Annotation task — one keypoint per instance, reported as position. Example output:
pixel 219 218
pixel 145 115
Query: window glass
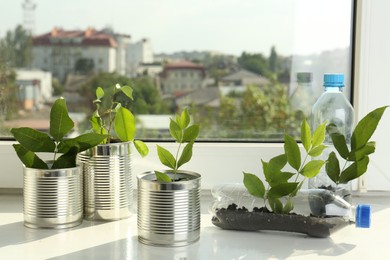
pixel 247 70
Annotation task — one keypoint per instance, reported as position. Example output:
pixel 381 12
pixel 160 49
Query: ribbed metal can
pixel 169 213
pixel 108 189
pixel 52 198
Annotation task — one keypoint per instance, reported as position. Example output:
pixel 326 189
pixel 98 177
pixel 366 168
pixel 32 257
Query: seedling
pixel 357 157
pixel 32 141
pixel 184 133
pixel 283 185
pixel 117 122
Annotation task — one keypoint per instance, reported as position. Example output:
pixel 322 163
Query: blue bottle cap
pixel 363 216
pixel 333 80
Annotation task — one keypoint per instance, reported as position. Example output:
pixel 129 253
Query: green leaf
pixel 254 185
pixel 317 151
pixel 162 177
pixel 355 170
pixel 366 128
pixel 332 167
pixel 60 122
pixel 274 175
pixel 99 93
pixel 305 135
pixel 33 140
pixel 175 131
pixel 28 158
pixel 128 91
pixel 141 147
pixel 332 129
pixel 191 133
pixel 282 189
pixel 276 178
pixel 82 142
pixel 368 149
pixel 312 168
pixel 67 160
pixel 185 155
pixel 277 163
pixel 96 123
pixel 125 125
pixel 318 135
pixel 265 168
pixel 292 152
pixel 184 119
pixel 166 157
pixel 339 142
pixel 276 205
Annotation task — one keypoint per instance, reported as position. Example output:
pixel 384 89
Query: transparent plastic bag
pixel 317 212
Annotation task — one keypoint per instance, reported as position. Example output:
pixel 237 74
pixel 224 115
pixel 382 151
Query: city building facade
pixel 182 77
pixel 64 52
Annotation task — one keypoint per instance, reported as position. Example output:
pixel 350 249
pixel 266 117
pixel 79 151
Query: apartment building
pixel 65 52
pixel 137 55
pixel 182 77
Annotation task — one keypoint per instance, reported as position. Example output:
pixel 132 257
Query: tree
pixel 260 112
pixel 256 63
pixel 267 111
pixel 273 60
pixel 8 96
pixel 229 118
pixel 16 48
pixel 219 66
pixel 147 99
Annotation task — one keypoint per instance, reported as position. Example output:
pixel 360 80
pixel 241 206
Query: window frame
pixel 223 166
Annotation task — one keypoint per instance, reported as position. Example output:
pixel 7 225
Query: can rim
pixel 149 181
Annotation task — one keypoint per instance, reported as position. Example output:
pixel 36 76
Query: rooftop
pixel 89 37
pixel 245 77
pixel 183 65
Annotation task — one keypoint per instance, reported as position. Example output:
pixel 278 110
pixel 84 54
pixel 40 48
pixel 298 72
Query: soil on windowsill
pixel 258 219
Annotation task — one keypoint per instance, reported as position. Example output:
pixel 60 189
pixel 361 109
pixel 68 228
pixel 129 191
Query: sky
pixel 228 26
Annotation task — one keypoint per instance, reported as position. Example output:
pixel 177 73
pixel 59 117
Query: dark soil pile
pixel 235 218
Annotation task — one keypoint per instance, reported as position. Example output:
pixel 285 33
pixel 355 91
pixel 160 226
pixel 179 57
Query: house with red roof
pixel 61 51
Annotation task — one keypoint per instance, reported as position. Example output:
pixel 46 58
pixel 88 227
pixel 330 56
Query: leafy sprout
pixel 117 122
pixel 32 141
pixel 184 134
pixel 283 185
pixel 356 158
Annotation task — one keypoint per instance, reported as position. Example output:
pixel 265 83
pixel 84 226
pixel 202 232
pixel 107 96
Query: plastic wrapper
pixel 316 212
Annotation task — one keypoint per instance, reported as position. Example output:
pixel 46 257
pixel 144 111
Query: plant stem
pixel 177 155
pixel 110 118
pixel 345 165
pixel 55 151
pixel 265 199
pixel 300 168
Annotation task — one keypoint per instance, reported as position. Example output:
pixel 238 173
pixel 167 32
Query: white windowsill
pixel 118 239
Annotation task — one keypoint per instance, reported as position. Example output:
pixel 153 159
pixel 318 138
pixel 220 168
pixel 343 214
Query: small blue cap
pixel 363 216
pixel 333 80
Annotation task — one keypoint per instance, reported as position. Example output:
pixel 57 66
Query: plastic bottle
pixel 334 108
pixel 302 99
pixel 233 205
